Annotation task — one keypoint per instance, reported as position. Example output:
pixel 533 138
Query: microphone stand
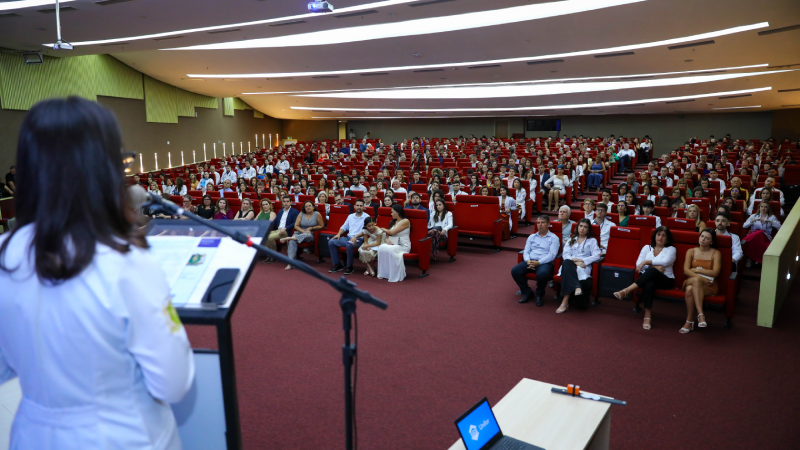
pixel 345 287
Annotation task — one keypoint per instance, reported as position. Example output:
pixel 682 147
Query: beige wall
pixel 786 124
pixel 190 133
pixel 310 130
pixel 667 130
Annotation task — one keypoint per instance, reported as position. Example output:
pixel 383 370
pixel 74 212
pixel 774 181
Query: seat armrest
pixel 452 241
pixel 425 254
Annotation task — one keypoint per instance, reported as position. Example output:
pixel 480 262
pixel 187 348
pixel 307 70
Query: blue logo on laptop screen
pixel 478 427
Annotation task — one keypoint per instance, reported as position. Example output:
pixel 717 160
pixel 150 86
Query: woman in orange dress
pixel 701 268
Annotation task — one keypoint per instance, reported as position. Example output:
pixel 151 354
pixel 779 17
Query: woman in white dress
pixel 580 251
pixel 559 182
pixel 390 254
pixel 372 240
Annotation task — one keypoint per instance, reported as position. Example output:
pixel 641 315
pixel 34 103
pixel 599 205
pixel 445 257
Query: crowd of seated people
pixel 280 183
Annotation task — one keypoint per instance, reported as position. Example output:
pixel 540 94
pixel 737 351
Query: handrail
pixel 779 269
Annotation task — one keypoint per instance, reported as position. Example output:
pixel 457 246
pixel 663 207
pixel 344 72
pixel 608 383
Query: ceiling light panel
pixel 416 27
pixel 474 92
pixel 534 108
pixel 439 67
pixel 8 6
pixel 299 17
pixel 514 83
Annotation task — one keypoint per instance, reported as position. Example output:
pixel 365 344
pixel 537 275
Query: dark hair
pixel 723 214
pixel 544 217
pixel 203 202
pixel 713 234
pixel 367 221
pixel 398 208
pixel 589 234
pixel 360 200
pixel 648 203
pixel 601 205
pixel 285 197
pixel 60 137
pixel 662 198
pixel 437 216
pixel 313 206
pixel 658 230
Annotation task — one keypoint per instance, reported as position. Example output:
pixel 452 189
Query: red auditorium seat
pixel 479 216
pixel 624 246
pixel 646 224
pixel 337 218
pixel 676 223
pixel 555 228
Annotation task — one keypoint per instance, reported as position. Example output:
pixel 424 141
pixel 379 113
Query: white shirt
pixel 588 251
pixel 168 189
pixel 605 232
pixel 248 173
pixel 284 216
pixel 757 195
pixel 666 258
pixel 736 246
pixel 265 169
pixel 99 357
pixel 182 192
pixel 360 187
pixel 400 190
pixel 283 166
pixel 446 223
pixel 229 175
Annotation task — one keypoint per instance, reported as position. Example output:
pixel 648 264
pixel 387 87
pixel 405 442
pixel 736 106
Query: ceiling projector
pixel 320 7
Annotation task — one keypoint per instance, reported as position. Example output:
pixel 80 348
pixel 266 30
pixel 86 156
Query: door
pixel 501 129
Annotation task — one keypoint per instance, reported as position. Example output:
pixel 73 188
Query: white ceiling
pixel 636 23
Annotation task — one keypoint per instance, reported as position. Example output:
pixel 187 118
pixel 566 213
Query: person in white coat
pixel 439 223
pixel 579 253
pixel 86 321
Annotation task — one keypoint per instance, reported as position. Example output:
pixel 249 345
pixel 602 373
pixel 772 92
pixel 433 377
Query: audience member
pixel 507 206
pixel 347 237
pixel 760 227
pixel 374 239
pixel 246 212
pixel 223 210
pixel 285 219
pixel 647 210
pixel 693 213
pixel 306 223
pixel 622 212
pixel 206 209
pixel 701 268
pixel 267 212
pixel 540 251
pixel 722 221
pixel 655 268
pixel 559 183
pixel 580 252
pixel 416 203
pixel 390 254
pixel 605 225
pixel 438 225
pixel 566 223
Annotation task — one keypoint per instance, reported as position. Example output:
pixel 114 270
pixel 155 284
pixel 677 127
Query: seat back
pixel 683 240
pixel 676 223
pixel 646 224
pixel 419 227
pixel 384 217
pixel 477 213
pixel 774 206
pixel 624 245
pixel 556 228
pixel 337 218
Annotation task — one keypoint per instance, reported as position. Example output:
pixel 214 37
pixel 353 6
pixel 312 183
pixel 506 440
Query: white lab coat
pixel 98 357
pixel 588 251
pixel 446 223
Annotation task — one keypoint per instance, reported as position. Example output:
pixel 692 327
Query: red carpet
pixel 449 339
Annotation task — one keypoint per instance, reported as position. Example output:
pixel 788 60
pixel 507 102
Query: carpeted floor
pixel 447 340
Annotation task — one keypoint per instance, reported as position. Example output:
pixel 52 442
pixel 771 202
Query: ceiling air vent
pixel 626 106
pixel 283 24
pixel 428 70
pixel 735 96
pixel 485 66
pixel 692 44
pixel 224 31
pixel 8 15
pixel 111 2
pixel 788 106
pixel 432 2
pixel 680 101
pixel 357 13
pixel 114 43
pixel 789 90
pixel 62 9
pixel 326 76
pixel 166 38
pixel 779 30
pixel 373 74
pixel 545 61
pixel 611 55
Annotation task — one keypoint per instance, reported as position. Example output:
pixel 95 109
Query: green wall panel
pixel 26 84
pixel 258 114
pixel 203 101
pixel 116 79
pixel 160 101
pixel 227 106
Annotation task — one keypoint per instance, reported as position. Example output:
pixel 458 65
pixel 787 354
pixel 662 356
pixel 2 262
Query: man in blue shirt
pixel 540 251
pixel 416 203
pixel 351 228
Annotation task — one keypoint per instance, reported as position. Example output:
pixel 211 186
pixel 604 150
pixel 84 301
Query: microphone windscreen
pixel 138 196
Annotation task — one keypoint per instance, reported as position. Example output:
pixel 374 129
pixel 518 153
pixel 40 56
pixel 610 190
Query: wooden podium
pixel 532 413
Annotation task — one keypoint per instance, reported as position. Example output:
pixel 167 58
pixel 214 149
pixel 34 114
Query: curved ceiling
pixel 631 57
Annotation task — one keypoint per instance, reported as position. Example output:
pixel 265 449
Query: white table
pixel 532 413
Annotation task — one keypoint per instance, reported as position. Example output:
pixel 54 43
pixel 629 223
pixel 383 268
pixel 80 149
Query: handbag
pixel 437 228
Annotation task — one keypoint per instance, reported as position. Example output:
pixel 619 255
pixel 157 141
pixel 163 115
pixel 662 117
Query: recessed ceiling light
pixel 533 90
pixel 7 6
pixel 510 83
pixel 533 108
pixel 416 27
pixel 433 67
pixel 363 7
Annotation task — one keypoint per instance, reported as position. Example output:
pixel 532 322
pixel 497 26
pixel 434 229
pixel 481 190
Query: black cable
pixel 355 378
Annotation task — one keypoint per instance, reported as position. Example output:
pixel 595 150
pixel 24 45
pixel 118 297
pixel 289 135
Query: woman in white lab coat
pixel 86 321
pixel 580 252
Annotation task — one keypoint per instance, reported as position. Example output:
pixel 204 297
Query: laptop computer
pixel 479 431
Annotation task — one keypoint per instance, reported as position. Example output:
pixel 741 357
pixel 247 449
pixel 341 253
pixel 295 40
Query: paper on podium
pixel 190 264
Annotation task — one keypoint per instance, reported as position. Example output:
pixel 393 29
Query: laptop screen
pixel 478 426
